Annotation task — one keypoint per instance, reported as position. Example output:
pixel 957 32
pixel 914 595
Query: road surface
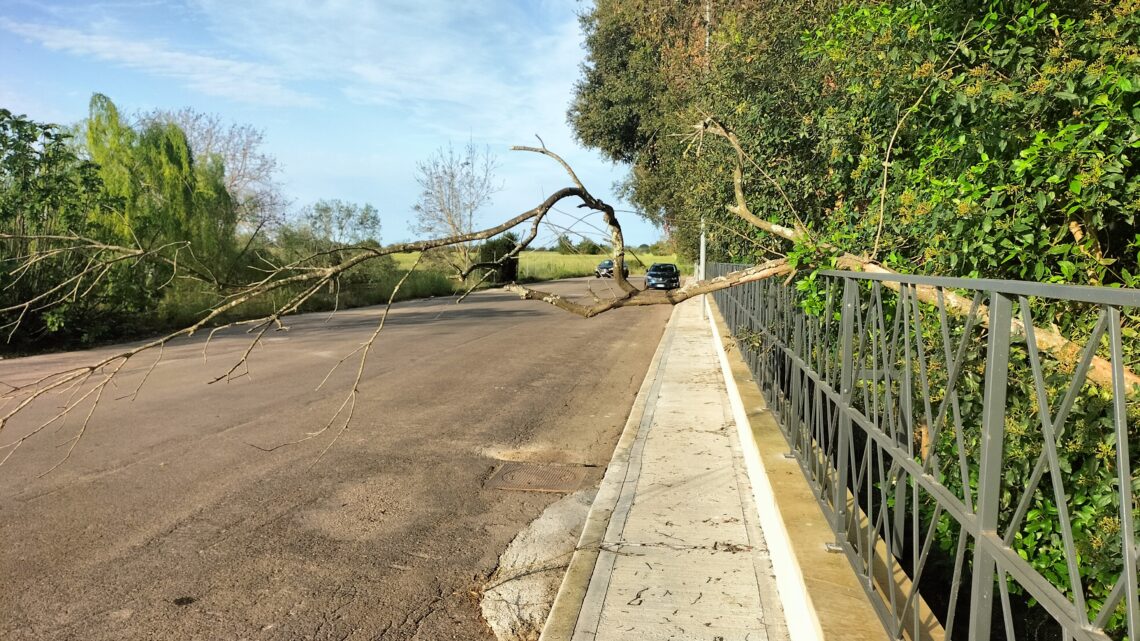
pixel 170 521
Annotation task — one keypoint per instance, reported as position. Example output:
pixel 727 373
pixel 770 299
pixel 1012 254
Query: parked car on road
pixel 663 276
pixel 605 269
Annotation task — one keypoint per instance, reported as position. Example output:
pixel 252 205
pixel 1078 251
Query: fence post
pixel 990 467
pixel 702 268
pixel 1124 475
pixel 846 385
pixel 795 410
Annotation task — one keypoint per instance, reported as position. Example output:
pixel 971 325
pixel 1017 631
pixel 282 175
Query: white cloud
pixel 456 67
pixel 233 79
pixel 397 77
pixel 497 70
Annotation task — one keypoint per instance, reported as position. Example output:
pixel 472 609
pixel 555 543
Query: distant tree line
pixel 564 244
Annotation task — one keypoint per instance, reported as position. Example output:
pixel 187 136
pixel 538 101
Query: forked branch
pixel 303 276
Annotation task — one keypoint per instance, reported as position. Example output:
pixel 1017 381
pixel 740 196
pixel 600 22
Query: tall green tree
pixel 45 187
pixel 163 195
pixel 940 136
pixel 981 139
pixel 46 190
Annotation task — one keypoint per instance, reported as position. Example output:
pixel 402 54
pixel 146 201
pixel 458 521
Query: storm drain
pixel 533 477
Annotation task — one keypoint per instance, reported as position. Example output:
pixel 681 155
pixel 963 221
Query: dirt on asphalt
pixel 171 520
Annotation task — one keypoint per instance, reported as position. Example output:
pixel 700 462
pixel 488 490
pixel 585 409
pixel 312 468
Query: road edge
pixel 571 597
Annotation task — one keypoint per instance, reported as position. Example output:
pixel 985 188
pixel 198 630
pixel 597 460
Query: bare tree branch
pixel 349 401
pixel 657 297
pixel 608 215
pixel 100 258
pixel 303 274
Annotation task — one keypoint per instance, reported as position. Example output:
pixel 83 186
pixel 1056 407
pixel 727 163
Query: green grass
pixel 404 262
pixel 537 266
pixel 551 265
pixel 186 303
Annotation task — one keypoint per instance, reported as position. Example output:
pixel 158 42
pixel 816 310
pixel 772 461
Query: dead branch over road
pixel 84 386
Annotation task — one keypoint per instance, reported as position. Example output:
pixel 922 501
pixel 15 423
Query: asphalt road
pixel 168 522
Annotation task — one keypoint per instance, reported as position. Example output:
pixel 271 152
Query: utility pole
pixel 708 30
pixel 701 275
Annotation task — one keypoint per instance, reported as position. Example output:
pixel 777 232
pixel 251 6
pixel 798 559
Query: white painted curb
pixel 799 613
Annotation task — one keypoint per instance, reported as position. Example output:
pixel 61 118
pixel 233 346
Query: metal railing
pixel 979 487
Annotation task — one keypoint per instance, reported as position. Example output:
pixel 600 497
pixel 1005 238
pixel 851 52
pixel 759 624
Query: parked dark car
pixel 663 276
pixel 605 269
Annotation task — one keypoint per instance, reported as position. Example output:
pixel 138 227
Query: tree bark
pixel 639 297
pixel 1048 340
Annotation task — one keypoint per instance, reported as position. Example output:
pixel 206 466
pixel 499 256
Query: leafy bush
pixel 994 139
pixel 494 249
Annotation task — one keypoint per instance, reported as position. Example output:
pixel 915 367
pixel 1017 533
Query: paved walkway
pixel 672 549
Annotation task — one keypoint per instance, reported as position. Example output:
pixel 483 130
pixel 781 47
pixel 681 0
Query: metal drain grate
pixel 533 477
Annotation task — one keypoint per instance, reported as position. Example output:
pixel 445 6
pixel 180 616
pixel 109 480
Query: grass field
pixel 185 303
pixel 552 265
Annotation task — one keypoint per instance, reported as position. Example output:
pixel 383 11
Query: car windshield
pixel 606 263
pixel 663 269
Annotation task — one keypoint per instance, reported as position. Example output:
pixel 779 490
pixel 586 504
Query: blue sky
pixel 350 94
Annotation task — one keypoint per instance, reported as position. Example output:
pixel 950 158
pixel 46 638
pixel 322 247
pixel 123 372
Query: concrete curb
pixel 828 603
pixel 624 468
pixel 799 612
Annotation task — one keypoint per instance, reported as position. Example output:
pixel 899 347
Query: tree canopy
pixel 989 139
pixel 934 136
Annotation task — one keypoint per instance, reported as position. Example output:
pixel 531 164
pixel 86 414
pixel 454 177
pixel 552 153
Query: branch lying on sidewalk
pixel 1048 340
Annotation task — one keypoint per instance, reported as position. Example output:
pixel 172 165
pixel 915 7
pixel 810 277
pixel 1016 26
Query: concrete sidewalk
pixel 672 547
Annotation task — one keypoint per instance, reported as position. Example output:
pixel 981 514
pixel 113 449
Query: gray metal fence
pixel 979 487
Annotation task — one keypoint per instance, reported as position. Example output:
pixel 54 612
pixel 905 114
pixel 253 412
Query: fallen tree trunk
pixel 1048 340
pixel 639 297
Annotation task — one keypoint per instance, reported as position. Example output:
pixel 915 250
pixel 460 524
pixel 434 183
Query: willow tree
pixel 249 172
pixel 163 194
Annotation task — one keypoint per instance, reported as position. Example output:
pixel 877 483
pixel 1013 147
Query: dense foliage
pixel 46 189
pixel 994 139
pixel 123 228
pixel 1009 129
